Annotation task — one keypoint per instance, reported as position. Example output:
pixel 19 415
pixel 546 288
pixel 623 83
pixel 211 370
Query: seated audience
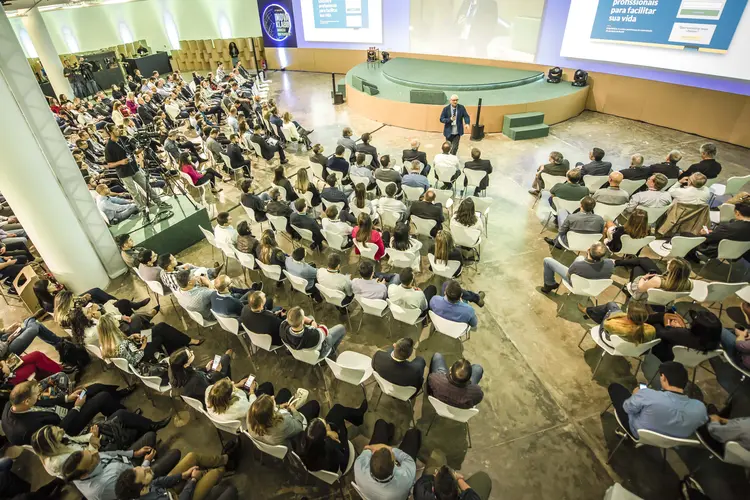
pixel 366 148
pixel 669 167
pixel 53 446
pixel 703 334
pixel 208 175
pixel 332 194
pixel 387 174
pixel 667 411
pixel 467 216
pixel 331 277
pixel 453 304
pixel 735 230
pixel 302 186
pixel 280 180
pixel 402 241
pixel 358 202
pixel 258 317
pixel 246 241
pixel 449 484
pixel 557 166
pixel 594 266
pixel 116 209
pixel 732 423
pixel 346 141
pixel 645 275
pixel 170 267
pixel 227 300
pixel 630 326
pixel 736 343
pixel 409 296
pixel 193 382
pixel 612 195
pixel 253 201
pixel 427 208
pixel 302 220
pixel 636 227
pixel 596 166
pixel 318 157
pixel 584 221
pixel 653 197
pixel 359 169
pixel 267 149
pixel 415 178
pixel 195 293
pixel 414 154
pixel 300 332
pixel 636 171
pixel 477 163
pixel 331 222
pixel 236 158
pixel 708 166
pixel 372 285
pixel 457 386
pixel 227 400
pixel 337 163
pixel 390 203
pixel 269 252
pixel 364 233
pixel 383 471
pixel 393 364
pixel 447 165
pixel 296 266
pixel 277 207
pixel 274 421
pixel 444 250
pixel 691 190
pixel 147 269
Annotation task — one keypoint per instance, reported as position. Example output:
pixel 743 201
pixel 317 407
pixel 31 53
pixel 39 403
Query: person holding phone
pixel 736 343
pixel 645 275
pixel 275 420
pixel 193 382
pixel 227 400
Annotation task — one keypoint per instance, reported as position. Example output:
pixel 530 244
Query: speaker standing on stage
pixel 453 116
pixel 119 154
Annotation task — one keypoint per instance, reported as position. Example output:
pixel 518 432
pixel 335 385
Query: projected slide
pixel 348 21
pixel 703 24
pixel 708 37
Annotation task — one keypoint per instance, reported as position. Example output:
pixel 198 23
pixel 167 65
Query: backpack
pixel 73 354
pixel 114 436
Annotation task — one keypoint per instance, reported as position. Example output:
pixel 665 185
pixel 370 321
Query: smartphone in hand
pixel 249 382
pixel 82 394
pixel 642 386
pixel 215 364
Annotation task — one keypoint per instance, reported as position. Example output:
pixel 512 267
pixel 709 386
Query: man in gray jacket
pixel 583 221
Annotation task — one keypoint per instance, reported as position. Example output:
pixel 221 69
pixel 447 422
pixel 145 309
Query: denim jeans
pixel 390 278
pixel 728 341
pixel 332 341
pixel 438 364
pixel 32 329
pixel 552 267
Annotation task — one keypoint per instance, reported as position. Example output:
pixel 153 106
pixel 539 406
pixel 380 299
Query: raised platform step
pixel 527 132
pixel 522 119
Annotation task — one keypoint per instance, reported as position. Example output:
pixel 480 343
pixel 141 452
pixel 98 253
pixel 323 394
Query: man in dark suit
pixel 636 171
pixel 708 166
pixel 251 200
pixel 368 149
pixel 337 162
pixel 144 112
pixel 259 319
pixel 332 194
pixel 409 155
pixel 394 366
pixel 279 208
pixel 267 150
pixel 478 164
pixel 737 230
pixel 557 166
pixel 300 219
pixel 236 158
pixel 455 122
pixel 668 168
pixel 426 208
pixel 596 166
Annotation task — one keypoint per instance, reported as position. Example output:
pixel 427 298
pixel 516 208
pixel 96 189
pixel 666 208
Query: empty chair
pixel 725 213
pixel 730 250
pixel 714 292
pixel 450 328
pixel 579 242
pixel 632 246
pixel 594 182
pixel 351 367
pixel 679 246
pixel 616 346
pixel 462 415
pixel 399 392
pixel 153 383
pixel 373 307
pixel 732 187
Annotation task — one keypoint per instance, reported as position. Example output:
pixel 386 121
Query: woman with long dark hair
pixel 303 185
pixel 279 179
pixel 234 53
pixel 209 174
pixel 191 381
pixel 636 227
pixel 466 215
pixel 365 233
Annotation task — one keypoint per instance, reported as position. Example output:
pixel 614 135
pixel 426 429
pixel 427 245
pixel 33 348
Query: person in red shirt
pixel 364 233
pixel 198 178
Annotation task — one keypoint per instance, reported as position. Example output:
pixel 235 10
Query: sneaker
pixel 582 308
pixel 549 241
pixel 534 192
pixel 549 288
pixel 217 191
pixel 480 303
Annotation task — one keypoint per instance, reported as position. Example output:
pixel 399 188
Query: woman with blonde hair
pixel 645 275
pixel 636 227
pixel 117 115
pixel 227 400
pixel 294 131
pixel 53 446
pixel 630 326
pixel 444 250
pixel 273 420
pixel 303 185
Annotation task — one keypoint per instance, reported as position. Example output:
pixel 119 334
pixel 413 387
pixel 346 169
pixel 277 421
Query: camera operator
pixel 120 155
pixel 87 72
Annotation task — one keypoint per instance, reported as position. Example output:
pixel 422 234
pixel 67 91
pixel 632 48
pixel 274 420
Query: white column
pixel 46 51
pixel 42 183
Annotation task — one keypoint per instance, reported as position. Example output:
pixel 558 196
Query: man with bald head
pixel 409 155
pixel 612 195
pixel 594 267
pixel 228 300
pixel 455 122
pixel 636 171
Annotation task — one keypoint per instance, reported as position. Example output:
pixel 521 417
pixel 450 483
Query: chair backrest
pixel 580 242
pixel 330 477
pixel 404 315
pixel 348 153
pixel 195 404
pixel 550 181
pixel 383 185
pixel 389 218
pixel 198 318
pixel 726 212
pixel 367 250
pixel 374 307
pixel 412 193
pixel 690 358
pixel 655 213
pixel 444 174
pixel 735 454
pixel 96 351
pixel 358 179
pixel 250 213
pixel 368 159
pixel 715 292
pixel 442 269
pixel 309 356
pixel 359 491
pixel 346 373
pixel 339 204
pixel 231 325
pixel 609 212
pixel 594 182
pixel 482 203
pixel 246 259
pixel 399 258
pixel 734 184
pixel 625 348
pixel 226 160
pixel 317 169
pixel 334 239
pixel 355 210
pixel 400 392
pixel 185 177
pixel 339 177
pixel 447 327
pixel 423 226
pixel 335 297
pixel 652 438
pixel 444 197
pixel 256 148
pixel 451 412
pixel 681 245
pixel 156 287
pixel 465 236
pixel 659 297
pixel 152 382
pixel 209 236
pixel 589 287
pixel 305 234
pixel 230 426
pixel 259 340
pixel 567 205
pixel 474 177
pixel 731 249
pixel 278 222
pixel 630 186
pixel 122 364
pixel 271 271
pixel 279 451
pixel 299 284
pixel 632 246
pixel 192 86
pixel 227 249
pixel 282 192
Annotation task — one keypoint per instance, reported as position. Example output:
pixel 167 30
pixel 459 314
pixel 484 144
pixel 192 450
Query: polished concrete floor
pixel 540 433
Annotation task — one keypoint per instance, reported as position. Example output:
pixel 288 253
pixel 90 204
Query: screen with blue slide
pixel 340 13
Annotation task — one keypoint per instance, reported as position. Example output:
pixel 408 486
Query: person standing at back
pixel 455 122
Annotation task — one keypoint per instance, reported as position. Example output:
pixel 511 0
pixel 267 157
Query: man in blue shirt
pixel 227 300
pixel 115 208
pixel 414 178
pixel 296 266
pixel 385 472
pixel 450 306
pixel 668 411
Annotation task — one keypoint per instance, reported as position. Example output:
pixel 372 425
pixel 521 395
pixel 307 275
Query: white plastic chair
pixel 659 297
pixel 367 250
pixel 251 216
pixel 654 213
pixel 200 188
pixel 681 245
pixel 411 317
pixel 474 178
pixel 725 213
pixel 373 307
pixel 351 367
pixel 198 318
pixel 279 225
pixel 692 358
pixel 594 182
pixel 618 492
pixel 389 218
pixel 732 187
pixel 462 415
pixel 210 238
pixel 714 292
pixel 246 260
pixel 579 242
pixel 632 246
pixel 412 193
pixel 335 240
pixel 228 166
pixel 467 237
pixel 568 205
pixel 339 204
pixel 317 169
pixel 359 491
pixel 153 383
pixel 444 175
pixel 330 477
pixel 229 426
pixel 299 285
pixel 358 179
pixel 305 234
pixel 277 451
pixel 336 298
pixel 551 181
pixel 731 251
pixel 424 227
pixel 482 205
pixel 453 329
pixel 589 288
pixel 399 392
pixel 618 347
pixel 195 404
pixel 444 197
pixel 609 212
pixel 261 341
pixel 630 186
pixel 271 271
pixel 231 325
pixel 446 270
pixel 403 259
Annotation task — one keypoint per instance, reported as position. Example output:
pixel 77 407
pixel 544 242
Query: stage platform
pixel 171 235
pixel 503 91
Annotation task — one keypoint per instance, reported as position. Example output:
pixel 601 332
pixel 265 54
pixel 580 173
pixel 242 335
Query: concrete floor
pixel 540 433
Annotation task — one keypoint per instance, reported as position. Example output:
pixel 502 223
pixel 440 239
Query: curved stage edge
pixel 426 117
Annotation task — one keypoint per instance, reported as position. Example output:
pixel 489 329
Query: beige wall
pixel 708 113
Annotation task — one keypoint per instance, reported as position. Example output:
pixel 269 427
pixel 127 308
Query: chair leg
pixel 616 448
pixel 411 407
pixel 692 382
pixel 607 408
pixel 586 332
pixel 379 398
pixel 468 433
pixel 597 365
pixel 653 378
pixel 638 367
pixel 664 459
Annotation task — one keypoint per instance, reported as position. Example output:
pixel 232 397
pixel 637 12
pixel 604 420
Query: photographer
pixel 87 72
pixel 119 154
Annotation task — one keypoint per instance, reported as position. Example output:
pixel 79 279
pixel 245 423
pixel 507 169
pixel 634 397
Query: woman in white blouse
pixel 53 446
pixel 467 216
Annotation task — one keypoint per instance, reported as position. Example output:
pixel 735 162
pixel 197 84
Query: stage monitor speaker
pixel 357 83
pixel 370 89
pixel 427 97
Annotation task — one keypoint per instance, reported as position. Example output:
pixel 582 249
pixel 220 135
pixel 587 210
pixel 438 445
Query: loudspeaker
pixel 370 89
pixel 357 83
pixel 477 130
pixel 427 97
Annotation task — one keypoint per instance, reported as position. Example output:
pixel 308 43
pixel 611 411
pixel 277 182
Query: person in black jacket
pixel 669 167
pixel 267 150
pixel 708 166
pixel 193 382
pixel 366 148
pixel 251 200
pixel 426 208
pixel 477 164
pixel 332 194
pixel 596 166
pixel 259 318
pixel 636 171
pixel 703 334
pixel 300 332
pixel 144 113
pixel 736 230
pixel 394 366
pixel 236 159
pixel 325 443
pixel 337 162
pixel 301 219
pixel 279 179
pixel 409 155
pixel 449 484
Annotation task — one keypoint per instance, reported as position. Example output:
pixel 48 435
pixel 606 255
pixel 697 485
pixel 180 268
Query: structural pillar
pixel 42 183
pixel 46 51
